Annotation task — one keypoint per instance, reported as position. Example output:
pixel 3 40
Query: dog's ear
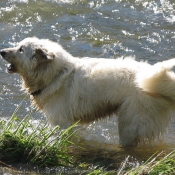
pixel 41 55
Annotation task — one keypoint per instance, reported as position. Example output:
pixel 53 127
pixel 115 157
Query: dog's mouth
pixel 11 68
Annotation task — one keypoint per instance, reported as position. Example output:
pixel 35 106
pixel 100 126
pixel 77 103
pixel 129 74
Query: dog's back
pixel 69 89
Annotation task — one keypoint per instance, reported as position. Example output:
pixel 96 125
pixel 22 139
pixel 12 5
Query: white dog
pixel 69 89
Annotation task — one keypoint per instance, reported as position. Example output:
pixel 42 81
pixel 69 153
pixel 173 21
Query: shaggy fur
pixel 69 89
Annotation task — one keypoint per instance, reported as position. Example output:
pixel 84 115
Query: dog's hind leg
pixel 142 118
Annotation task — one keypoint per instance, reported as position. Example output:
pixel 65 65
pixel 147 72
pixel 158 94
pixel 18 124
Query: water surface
pixel 144 29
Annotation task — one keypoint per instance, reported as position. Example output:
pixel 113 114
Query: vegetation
pixel 161 164
pixel 22 141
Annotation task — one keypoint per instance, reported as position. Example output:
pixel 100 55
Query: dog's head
pixel 38 61
pixel 27 56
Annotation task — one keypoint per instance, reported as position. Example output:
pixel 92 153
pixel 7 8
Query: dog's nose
pixel 3 53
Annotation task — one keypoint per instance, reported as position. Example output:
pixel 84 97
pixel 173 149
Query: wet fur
pixel 69 89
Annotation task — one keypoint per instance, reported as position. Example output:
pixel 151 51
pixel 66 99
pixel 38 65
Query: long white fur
pixel 88 89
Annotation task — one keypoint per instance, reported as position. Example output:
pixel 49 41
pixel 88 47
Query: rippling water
pixel 103 28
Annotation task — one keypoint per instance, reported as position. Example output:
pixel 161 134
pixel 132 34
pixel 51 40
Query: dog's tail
pixel 158 80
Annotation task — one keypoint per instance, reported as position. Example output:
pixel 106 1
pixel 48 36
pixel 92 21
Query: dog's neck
pixel 64 74
pixel 39 91
pixel 36 92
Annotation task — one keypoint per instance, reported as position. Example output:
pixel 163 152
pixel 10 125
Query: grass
pixel 39 145
pixel 159 164
pixel 166 165
pixel 23 142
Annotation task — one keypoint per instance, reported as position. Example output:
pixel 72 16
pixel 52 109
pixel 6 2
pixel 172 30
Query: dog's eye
pixel 21 49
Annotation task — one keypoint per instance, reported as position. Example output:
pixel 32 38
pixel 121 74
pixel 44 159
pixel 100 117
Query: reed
pixel 24 142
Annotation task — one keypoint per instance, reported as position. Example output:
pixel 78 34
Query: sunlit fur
pixel 87 89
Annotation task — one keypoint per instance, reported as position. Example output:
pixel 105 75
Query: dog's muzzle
pixel 3 53
pixel 11 67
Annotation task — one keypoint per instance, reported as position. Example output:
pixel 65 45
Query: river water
pixel 144 29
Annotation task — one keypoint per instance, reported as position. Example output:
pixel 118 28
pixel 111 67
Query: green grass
pixel 24 142
pixel 158 164
pixel 165 165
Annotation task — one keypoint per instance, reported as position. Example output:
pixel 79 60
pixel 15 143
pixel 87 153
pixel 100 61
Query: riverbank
pixel 27 148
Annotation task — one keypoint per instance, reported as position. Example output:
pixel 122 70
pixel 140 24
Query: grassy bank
pixel 158 164
pixel 24 142
pixel 39 145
